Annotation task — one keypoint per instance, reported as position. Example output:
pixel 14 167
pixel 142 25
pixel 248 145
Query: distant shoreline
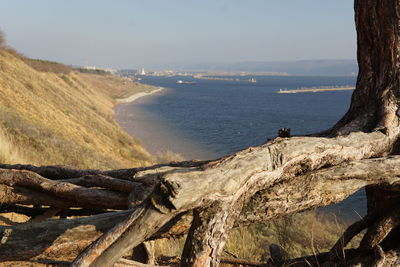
pixel 154 134
pixel 136 96
pixel 307 90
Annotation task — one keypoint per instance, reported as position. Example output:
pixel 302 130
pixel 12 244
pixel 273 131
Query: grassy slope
pixel 63 118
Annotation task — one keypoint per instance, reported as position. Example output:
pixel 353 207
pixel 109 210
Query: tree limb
pixel 103 181
pixel 249 170
pixel 91 253
pixel 77 196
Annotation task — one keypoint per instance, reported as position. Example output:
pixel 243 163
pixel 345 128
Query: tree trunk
pixel 375 101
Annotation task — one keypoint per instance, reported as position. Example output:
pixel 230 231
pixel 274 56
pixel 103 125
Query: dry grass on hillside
pixel 9 153
pixel 301 234
pixel 59 118
pixel 47 66
pixel 2 40
pixel 115 86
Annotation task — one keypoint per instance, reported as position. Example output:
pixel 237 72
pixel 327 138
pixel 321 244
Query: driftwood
pixel 284 176
pixel 328 185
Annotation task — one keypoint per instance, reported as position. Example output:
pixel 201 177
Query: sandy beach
pixel 136 96
pixel 157 137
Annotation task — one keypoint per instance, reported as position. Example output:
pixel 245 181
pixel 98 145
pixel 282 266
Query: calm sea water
pixel 227 116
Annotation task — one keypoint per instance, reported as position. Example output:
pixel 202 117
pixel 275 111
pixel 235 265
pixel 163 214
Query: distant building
pixel 90 68
pixel 93 68
pixel 141 71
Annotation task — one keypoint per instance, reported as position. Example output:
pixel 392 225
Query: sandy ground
pixel 157 138
pixel 134 97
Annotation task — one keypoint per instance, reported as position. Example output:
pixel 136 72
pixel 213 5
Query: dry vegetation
pixel 115 86
pixel 9 153
pixel 47 66
pixel 53 115
pixel 168 156
pixel 299 235
pixel 2 40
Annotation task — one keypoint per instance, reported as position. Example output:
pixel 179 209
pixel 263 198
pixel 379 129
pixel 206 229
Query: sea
pixel 225 116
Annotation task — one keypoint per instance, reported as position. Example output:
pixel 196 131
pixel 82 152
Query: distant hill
pixel 300 67
pixel 52 114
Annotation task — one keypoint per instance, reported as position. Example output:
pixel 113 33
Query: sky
pixel 127 34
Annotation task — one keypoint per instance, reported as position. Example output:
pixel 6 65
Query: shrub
pixel 4 46
pixel 47 66
pixel 2 40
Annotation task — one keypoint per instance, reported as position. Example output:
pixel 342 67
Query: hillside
pixel 51 114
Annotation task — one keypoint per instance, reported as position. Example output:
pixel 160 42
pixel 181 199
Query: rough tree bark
pixel 374 103
pixel 283 176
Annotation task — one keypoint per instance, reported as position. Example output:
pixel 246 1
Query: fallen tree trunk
pixel 242 175
pixel 54 238
pixel 330 185
pixel 77 196
pixel 61 172
pixel 66 238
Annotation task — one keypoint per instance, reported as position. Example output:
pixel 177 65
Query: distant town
pixel 137 74
pixel 214 71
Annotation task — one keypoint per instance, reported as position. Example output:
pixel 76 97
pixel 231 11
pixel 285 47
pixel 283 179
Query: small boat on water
pixel 252 80
pixel 185 82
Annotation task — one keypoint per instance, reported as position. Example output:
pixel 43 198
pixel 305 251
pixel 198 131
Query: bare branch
pixel 103 181
pixel 76 195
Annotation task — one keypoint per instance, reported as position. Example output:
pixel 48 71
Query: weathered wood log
pixel 73 195
pixel 318 188
pixel 380 229
pixel 37 211
pixel 103 181
pixel 329 175
pixel 329 185
pixel 21 195
pixel 68 237
pixel 62 172
pixel 97 248
pixel 148 223
pixel 54 238
pixel 374 169
pixel 206 236
pixel 186 189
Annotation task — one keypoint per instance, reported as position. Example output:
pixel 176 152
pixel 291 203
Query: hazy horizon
pixel 160 34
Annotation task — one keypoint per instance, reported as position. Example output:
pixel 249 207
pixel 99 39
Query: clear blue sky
pixel 150 33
